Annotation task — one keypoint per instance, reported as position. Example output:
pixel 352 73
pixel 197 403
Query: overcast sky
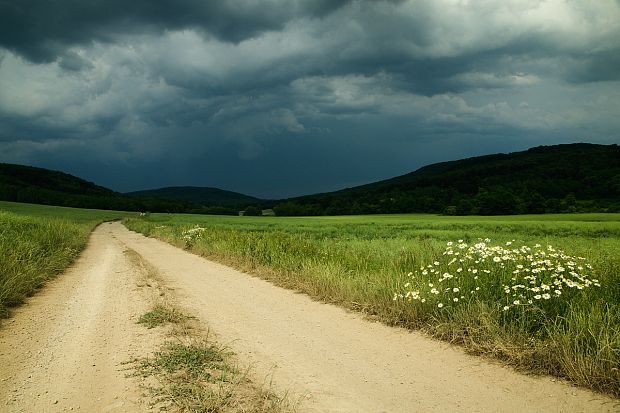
pixel 277 98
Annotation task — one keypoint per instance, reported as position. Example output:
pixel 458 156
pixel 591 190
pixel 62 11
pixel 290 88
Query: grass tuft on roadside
pixel 161 314
pixel 195 376
pixel 198 359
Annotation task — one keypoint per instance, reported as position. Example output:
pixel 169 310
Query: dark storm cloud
pixel 41 30
pixel 425 49
pixel 599 66
pixel 363 37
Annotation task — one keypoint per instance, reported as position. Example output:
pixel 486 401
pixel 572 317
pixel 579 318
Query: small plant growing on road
pixel 161 315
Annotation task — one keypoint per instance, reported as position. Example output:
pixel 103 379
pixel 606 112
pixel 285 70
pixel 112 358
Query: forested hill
pixel 199 195
pixel 562 178
pixel 43 186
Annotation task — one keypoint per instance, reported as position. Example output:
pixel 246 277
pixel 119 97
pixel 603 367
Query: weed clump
pixel 161 315
pixel 194 374
pixel 197 360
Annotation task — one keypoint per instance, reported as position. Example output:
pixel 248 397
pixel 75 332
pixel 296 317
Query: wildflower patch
pixel 192 235
pixel 513 277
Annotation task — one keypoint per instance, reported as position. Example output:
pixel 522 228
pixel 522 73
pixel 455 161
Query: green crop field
pixel 540 292
pixel 37 242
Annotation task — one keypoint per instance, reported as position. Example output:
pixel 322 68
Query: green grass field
pixel 37 242
pixel 364 262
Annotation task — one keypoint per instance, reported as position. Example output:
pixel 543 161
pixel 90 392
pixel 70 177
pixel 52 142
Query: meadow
pixel 38 242
pixel 539 292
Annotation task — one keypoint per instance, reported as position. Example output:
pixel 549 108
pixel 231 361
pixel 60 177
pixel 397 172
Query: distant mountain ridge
pixel 29 176
pixel 37 185
pixel 20 183
pixel 561 178
pixel 199 195
pixel 577 177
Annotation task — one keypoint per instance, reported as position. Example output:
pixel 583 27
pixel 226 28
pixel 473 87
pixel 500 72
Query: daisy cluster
pixel 510 275
pixel 191 235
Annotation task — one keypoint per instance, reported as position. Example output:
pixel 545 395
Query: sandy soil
pixel 67 343
pixel 64 350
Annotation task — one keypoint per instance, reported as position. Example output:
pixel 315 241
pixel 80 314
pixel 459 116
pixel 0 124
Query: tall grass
pixel 360 262
pixel 38 242
pixel 32 251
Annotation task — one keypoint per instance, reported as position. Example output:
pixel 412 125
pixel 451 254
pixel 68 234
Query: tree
pixel 497 201
pixel 253 211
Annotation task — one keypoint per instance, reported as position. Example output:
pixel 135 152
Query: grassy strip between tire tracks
pixel 361 262
pixel 191 372
pixel 194 374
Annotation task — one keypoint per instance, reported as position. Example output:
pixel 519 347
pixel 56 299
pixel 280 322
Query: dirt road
pixel 63 350
pixel 65 346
